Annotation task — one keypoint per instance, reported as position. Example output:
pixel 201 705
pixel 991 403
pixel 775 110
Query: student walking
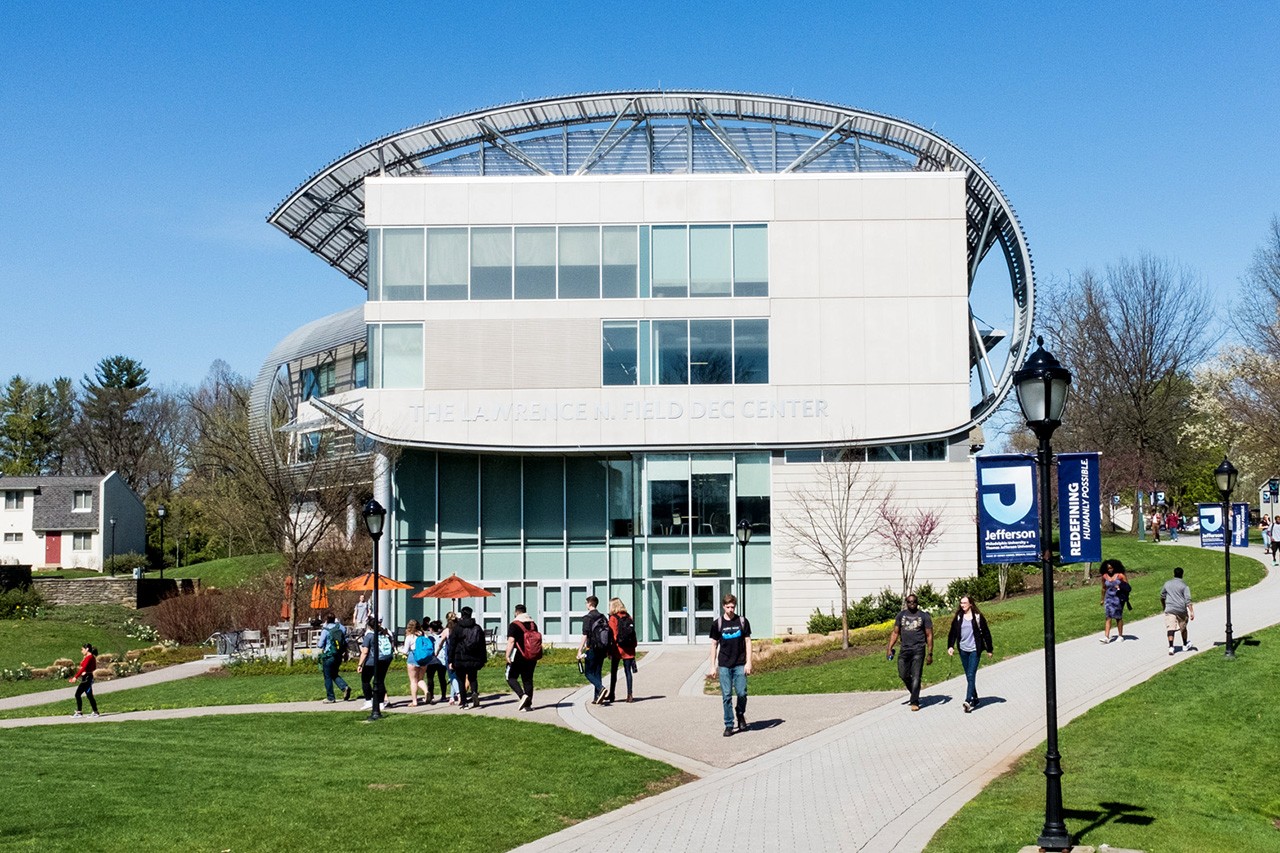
pixel 1114 587
pixel 88 666
pixel 524 648
pixel 376 651
pixel 623 651
pixel 419 647
pixel 1175 595
pixel 467 656
pixel 915 627
pixel 333 650
pixel 437 671
pixel 731 661
pixel 594 647
pixel 971 634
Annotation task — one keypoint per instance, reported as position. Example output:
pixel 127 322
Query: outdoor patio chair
pixel 251 644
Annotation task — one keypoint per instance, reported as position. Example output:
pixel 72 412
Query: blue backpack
pixel 424 649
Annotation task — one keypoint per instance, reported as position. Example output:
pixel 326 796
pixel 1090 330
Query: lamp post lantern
pixel 1225 476
pixel 1042 385
pixel 161 512
pixel 112 522
pixel 744 536
pixel 374 516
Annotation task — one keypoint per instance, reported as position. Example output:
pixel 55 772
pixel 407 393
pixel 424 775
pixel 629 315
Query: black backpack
pixel 626 632
pixel 473 642
pixel 599 637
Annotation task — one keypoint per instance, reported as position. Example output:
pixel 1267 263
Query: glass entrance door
pixel 689 608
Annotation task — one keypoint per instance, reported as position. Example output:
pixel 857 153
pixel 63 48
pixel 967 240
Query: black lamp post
pixel 1043 385
pixel 161 512
pixel 112 522
pixel 374 516
pixel 1225 475
pixel 744 536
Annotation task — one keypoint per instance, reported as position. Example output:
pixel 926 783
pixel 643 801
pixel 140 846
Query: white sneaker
pixel 95 714
pixel 1171 650
pixel 368 703
pixel 77 714
pixel 1104 640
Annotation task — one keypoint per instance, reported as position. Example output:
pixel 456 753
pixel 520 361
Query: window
pixel 319 381
pixel 670 260
pixel 13 537
pixel 397 355
pixel 536 263
pixel 621 261
pixel 710 260
pixel 82 500
pixel 360 370
pixel 446 264
pixel 750 260
pixel 401 273
pixel 922 451
pixel 81 541
pixel 685 352
pixel 12 500
pixel 490 263
pixel 580 262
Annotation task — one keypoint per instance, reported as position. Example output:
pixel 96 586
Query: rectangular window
pixel 373 266
pixel 889 453
pixel 543 500
pixel 82 500
pixel 490 263
pixel 579 262
pixel 712 477
pixel 360 370
pixel 397 355
pixel 401 275
pixel 13 537
pixel 446 264
pixel 535 263
pixel 753 487
pixel 710 352
pixel 621 261
pixel 751 352
pixel 500 521
pixel 620 352
pixel 750 260
pixel 585 500
pixel 671 350
pixel 12 500
pixel 670 260
pixel 710 260
pixel 81 541
pixel 929 451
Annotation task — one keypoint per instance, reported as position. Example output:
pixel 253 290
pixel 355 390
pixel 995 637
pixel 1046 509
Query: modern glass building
pixel 605 333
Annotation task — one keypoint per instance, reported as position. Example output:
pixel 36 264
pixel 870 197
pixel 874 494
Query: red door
pixel 53 549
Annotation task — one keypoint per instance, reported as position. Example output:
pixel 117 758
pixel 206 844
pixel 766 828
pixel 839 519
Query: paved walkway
pixel 817 771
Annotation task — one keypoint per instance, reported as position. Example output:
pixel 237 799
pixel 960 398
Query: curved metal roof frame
pixel 326 213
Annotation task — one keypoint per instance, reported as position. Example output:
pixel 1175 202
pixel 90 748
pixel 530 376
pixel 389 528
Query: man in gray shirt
pixel 1175 595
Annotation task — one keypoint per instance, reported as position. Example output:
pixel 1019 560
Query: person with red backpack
pixel 623 628
pixel 524 649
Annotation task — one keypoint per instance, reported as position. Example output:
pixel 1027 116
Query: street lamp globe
pixel 1225 475
pixel 1042 385
pixel 744 532
pixel 374 516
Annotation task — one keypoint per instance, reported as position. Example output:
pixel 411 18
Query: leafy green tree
pixel 112 431
pixel 35 426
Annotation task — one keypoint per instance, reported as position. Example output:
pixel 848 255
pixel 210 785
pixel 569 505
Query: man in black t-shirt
pixel 731 661
pixel 915 627
pixel 519 667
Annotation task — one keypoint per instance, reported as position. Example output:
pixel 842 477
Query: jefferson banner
pixel 1008 523
pixel 1211 526
pixel 1079 516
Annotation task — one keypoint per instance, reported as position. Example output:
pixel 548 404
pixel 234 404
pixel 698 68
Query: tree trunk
pixel 844 615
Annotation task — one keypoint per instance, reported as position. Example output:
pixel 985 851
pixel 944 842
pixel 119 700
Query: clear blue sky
pixel 143 145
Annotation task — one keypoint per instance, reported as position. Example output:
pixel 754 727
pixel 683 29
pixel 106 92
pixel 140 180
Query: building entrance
pixel 688 609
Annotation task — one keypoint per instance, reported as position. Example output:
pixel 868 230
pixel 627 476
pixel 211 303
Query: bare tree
pixel 907 534
pixel 1131 338
pixel 832 521
pixel 301 485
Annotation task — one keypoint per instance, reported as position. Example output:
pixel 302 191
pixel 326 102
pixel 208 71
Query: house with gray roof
pixel 69 522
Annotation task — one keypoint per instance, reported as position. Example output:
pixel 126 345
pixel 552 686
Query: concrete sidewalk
pixel 102 688
pixel 841 788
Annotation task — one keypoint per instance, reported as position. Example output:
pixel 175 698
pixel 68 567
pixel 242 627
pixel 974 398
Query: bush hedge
pixel 21 603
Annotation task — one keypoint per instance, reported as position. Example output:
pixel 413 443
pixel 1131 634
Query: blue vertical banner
pixel 1008 521
pixel 1079 515
pixel 1211 525
pixel 1239 525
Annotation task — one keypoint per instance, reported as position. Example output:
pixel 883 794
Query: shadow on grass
pixel 1125 813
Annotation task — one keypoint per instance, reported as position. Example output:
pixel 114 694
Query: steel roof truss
pixel 511 149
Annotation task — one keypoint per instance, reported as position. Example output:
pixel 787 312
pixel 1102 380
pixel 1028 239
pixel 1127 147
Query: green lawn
pixel 1017 624
pixel 1186 761
pixel 311 782
pixel 269 683
pixel 60 632
pixel 228 572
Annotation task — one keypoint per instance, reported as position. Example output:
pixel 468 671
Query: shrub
pixel 123 564
pixel 21 603
pixel 930 599
pixel 190 619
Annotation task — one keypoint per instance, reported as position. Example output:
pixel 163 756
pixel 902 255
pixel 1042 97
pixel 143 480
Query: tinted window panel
pixel 619 353
pixel 710 260
pixel 671 346
pixel 751 352
pixel 490 263
pixel 535 263
pixel 580 262
pixel 710 352
pixel 750 260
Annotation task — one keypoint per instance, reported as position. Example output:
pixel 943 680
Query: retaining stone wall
pixel 122 591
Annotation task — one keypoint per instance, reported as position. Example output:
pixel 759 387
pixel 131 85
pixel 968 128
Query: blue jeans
pixel 733 679
pixel 591 667
pixel 331 677
pixel 969 660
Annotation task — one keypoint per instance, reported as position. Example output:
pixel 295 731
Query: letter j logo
pixel 1008 494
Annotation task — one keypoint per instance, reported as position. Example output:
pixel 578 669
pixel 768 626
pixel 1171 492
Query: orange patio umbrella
pixel 319 595
pixel 364 583
pixel 454 587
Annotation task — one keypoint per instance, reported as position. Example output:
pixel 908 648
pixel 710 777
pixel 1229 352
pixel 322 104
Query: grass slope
pixel 303 782
pixel 1017 624
pixel 228 572
pixel 1186 761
